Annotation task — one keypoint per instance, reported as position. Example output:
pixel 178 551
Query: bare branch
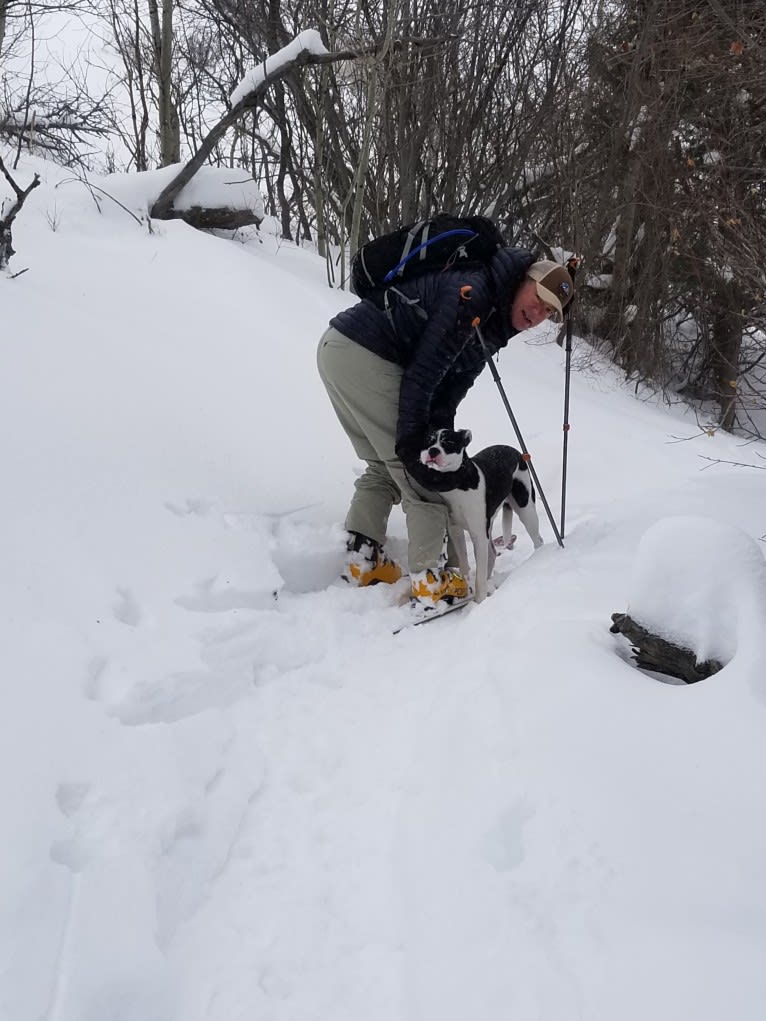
pixel 164 204
pixel 6 238
pixel 737 464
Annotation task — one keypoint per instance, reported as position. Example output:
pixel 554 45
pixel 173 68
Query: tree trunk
pixel 319 190
pixel 727 342
pixel 162 42
pixel 284 157
pixel 3 21
pixel 364 161
pixel 616 325
pixel 6 223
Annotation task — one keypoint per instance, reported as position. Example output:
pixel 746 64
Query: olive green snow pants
pixel 364 390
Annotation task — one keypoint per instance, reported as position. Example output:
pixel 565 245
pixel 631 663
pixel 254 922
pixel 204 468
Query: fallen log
pixel 654 653
pixel 219 218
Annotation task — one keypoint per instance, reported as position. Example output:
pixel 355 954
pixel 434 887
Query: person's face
pixel 527 310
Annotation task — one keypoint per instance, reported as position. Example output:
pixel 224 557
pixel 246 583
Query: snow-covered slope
pixel 220 804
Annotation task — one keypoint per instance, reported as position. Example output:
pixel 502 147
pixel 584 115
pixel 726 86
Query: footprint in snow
pixel 126 608
pixel 190 508
pixel 71 853
pixel 183 694
pixel 212 595
pixel 503 844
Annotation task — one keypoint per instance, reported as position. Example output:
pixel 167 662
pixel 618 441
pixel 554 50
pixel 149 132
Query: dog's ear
pixel 467 436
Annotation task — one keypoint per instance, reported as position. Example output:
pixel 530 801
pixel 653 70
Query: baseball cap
pixel 554 284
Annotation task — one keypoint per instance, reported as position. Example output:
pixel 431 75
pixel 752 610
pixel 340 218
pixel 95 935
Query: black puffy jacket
pixel 439 351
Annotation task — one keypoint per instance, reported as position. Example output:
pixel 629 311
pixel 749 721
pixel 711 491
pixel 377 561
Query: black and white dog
pixel 474 489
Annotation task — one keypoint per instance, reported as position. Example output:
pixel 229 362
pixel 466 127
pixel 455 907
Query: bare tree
pixel 674 117
pixel 281 66
pixel 162 46
pixel 421 124
pixel 55 114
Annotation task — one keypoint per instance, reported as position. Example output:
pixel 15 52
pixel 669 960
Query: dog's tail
pixel 522 487
pixel 522 500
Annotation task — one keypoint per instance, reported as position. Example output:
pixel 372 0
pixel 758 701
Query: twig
pixel 685 439
pixel 737 464
pixel 94 187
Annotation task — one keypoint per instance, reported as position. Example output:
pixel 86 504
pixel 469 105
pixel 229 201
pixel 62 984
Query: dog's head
pixel 445 449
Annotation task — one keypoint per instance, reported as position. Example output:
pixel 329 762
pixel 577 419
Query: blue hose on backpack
pixel 411 255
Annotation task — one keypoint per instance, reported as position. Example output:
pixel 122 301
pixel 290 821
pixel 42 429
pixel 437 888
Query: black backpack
pixel 424 247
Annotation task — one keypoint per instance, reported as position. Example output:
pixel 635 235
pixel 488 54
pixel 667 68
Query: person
pixel 394 375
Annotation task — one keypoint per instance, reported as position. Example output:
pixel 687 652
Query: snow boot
pixel 430 587
pixel 367 563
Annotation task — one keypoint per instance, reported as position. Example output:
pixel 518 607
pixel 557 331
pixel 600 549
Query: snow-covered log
pixel 654 653
pixel 215 218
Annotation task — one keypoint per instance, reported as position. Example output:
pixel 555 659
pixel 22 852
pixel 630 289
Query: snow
pixel 309 40
pixel 220 804
pixel 210 188
pixel 714 605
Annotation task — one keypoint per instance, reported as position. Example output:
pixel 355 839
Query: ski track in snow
pixel 286 813
pixel 219 840
pixel 350 846
pixel 232 793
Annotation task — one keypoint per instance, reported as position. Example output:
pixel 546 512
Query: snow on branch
pixel 309 42
pixel 305 49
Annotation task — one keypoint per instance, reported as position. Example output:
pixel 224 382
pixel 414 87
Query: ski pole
pixel 572 267
pixel 524 452
pixel 565 449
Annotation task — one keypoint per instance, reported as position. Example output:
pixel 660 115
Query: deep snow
pixel 223 805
